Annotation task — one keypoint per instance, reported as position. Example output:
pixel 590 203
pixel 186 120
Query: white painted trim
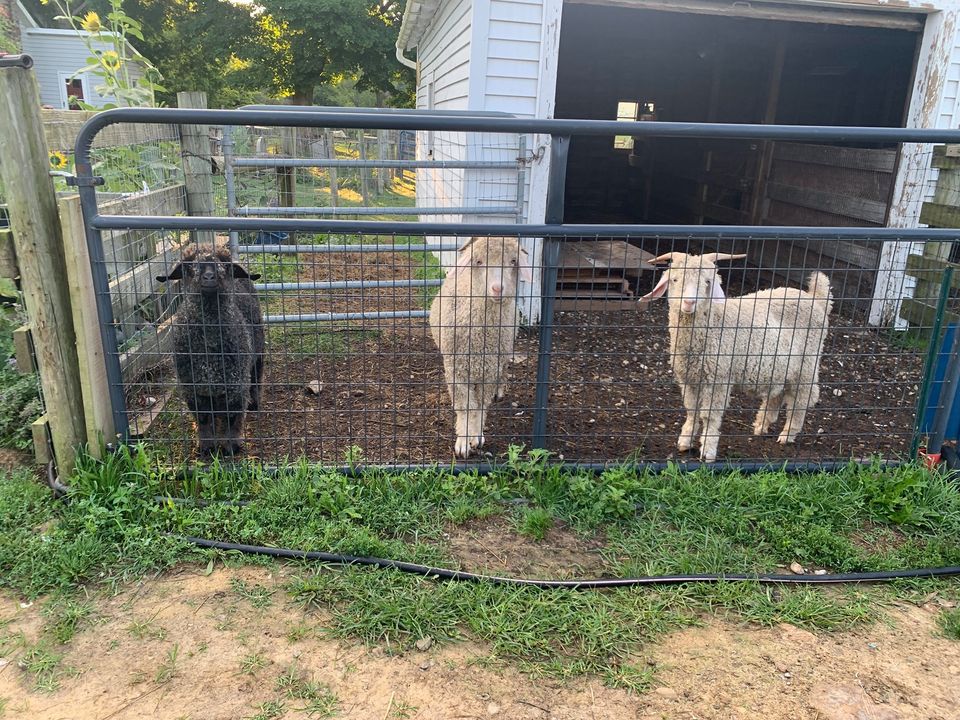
pixel 939 38
pixel 62 78
pixel 540 147
pixel 31 23
pixel 71 33
pixel 479 45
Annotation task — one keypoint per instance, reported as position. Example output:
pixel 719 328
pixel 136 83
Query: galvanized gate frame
pixel 552 230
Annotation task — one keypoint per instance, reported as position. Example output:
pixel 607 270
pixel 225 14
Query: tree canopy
pixel 240 51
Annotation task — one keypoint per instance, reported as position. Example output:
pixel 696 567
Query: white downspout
pixel 405 60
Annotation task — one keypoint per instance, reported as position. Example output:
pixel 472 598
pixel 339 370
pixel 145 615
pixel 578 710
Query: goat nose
pixel 687 305
pixel 496 289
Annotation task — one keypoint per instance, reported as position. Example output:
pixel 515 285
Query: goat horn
pixel 721 257
pixel 665 258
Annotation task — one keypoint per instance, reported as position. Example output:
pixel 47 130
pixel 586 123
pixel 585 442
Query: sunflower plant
pixel 113 65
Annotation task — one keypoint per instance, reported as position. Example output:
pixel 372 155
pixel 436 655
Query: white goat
pixel 473 320
pixel 768 343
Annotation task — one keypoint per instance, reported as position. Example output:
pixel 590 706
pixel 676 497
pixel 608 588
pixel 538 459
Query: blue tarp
pixel 936 388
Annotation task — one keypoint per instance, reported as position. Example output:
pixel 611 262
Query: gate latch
pixel 84 181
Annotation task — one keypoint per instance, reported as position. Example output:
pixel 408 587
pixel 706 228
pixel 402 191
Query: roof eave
pixel 417 17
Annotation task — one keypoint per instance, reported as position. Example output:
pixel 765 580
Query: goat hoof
pixel 785 440
pixel 684 446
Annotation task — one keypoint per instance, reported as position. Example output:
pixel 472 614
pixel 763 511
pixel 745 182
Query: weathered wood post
pixel 364 171
pixel 38 240
pixel 381 155
pixel 197 170
pixel 333 175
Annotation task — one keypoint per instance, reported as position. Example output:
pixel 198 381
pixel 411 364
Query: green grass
pixel 950 623
pixel 111 532
pixel 535 522
pixel 319 701
pixel 20 401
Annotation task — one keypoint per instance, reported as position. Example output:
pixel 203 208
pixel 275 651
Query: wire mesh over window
pixel 352 370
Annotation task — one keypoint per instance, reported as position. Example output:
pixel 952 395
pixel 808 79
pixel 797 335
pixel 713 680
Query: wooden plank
pixel 95 389
pixel 165 201
pixel 142 421
pixel 943 160
pixel 23 350
pixel 884 161
pixel 604 255
pixel 40 432
pixel 921 314
pixel 197 172
pixel 923 268
pixel 8 256
pixel 857 208
pixel 151 351
pixel 61 127
pixel 138 284
pixel 36 229
pixel 940 216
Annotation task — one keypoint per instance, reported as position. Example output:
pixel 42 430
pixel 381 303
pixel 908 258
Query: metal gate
pixel 353 375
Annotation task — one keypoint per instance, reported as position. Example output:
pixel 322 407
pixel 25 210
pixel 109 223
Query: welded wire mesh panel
pixel 626 376
pixel 397 347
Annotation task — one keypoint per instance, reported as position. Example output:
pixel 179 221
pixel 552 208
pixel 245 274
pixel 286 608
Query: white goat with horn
pixel 768 343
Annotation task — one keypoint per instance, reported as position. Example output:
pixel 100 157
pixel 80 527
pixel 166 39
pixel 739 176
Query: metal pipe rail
pixel 363 210
pixel 323 249
pixel 281 162
pixel 340 317
pixel 345 285
pixel 556 230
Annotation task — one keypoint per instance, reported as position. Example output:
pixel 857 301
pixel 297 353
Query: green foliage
pixel 535 522
pixel 113 66
pixel 20 402
pixel 112 529
pixel 950 623
pixel 7 43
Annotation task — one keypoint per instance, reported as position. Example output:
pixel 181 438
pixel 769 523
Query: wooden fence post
pixel 95 388
pixel 333 175
pixel 381 155
pixel 197 170
pixel 364 172
pixel 38 239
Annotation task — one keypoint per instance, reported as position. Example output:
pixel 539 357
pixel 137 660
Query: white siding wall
pixel 56 52
pixel 444 57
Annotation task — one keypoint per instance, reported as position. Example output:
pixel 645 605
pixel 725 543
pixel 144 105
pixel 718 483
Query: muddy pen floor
pixel 373 390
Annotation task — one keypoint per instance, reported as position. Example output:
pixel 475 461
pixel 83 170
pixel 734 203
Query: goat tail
pixel 818 285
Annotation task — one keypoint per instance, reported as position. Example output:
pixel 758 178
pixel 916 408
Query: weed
pixel 950 623
pixel 268 710
pixel 253 662
pixel 401 710
pixel 535 522
pixel 143 629
pixel 257 595
pixel 168 668
pixel 297 632
pixel 319 700
pixel 3 706
pixel 44 665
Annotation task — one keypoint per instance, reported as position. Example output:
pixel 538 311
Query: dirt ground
pixel 612 397
pixel 897 670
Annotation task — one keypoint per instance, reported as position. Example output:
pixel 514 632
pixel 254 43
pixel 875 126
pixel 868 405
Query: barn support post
pixel 38 239
pixel 559 152
pixel 933 68
pixel 197 171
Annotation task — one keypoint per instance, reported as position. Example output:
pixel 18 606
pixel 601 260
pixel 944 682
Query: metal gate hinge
pixel 81 181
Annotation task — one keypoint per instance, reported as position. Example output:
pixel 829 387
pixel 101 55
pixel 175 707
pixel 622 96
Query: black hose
pixel 59 489
pixel 459 575
pixel 16 61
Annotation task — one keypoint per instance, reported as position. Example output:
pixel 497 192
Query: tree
pixel 196 44
pixel 315 43
pixel 9 32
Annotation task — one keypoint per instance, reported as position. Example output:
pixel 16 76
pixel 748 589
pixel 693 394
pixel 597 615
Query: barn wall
pixel 444 58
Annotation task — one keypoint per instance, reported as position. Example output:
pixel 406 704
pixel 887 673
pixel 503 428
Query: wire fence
pixel 426 338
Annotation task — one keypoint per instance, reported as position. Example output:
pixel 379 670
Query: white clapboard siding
pixel 59 52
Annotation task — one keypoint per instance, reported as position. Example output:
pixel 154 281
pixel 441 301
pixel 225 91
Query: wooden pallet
pixel 594 275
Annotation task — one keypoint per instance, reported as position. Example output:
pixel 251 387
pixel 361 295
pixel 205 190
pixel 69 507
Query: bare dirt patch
pixel 719 671
pixel 493 545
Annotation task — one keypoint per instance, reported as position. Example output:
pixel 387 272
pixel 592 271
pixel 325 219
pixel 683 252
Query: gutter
pixel 417 17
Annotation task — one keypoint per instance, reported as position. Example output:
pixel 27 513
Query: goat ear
pixel 465 257
pixel 716 291
pixel 659 289
pixel 175 274
pixel 254 276
pixel 525 270
pixel 240 272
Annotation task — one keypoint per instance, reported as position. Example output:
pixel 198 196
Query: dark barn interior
pixel 677 66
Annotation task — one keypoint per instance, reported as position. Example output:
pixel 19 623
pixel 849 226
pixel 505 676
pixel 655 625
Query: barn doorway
pixel 628 63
